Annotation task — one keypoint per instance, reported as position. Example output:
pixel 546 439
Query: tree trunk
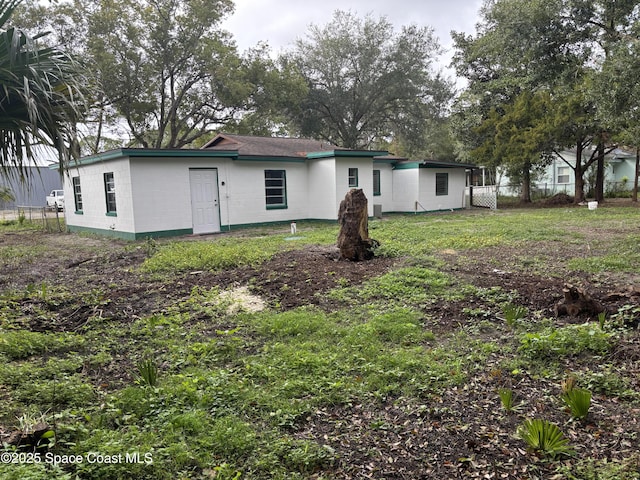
pixel 525 194
pixel 635 179
pixel 353 217
pixel 578 176
pixel 600 174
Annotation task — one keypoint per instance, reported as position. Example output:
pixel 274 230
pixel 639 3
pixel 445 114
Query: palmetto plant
pixel 40 100
pixel 544 437
pixel 148 373
pixel 579 401
pixel 506 398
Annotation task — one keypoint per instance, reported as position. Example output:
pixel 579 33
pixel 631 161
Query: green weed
pixel 571 340
pixel 17 344
pixel 512 313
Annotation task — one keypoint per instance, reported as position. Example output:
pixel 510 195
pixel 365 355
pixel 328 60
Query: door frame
pixel 217 226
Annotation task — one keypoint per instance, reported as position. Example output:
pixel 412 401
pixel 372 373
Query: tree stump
pixel 576 302
pixel 353 217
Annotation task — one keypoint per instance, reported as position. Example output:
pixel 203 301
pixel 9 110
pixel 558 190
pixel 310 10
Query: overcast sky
pixel 280 22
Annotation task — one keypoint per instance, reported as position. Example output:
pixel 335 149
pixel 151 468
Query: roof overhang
pixel 150 153
pixel 407 165
pixel 347 153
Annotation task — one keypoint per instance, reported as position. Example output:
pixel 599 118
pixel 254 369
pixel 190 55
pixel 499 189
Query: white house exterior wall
pixel 321 186
pixel 365 180
pixel 386 187
pixel 456 188
pixel 247 192
pixel 405 189
pixel 160 203
pixel 162 199
pixel 94 211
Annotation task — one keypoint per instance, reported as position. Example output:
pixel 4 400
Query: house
pixel 558 176
pixel 236 181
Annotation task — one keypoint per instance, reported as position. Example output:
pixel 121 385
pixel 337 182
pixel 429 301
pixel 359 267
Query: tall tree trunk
pixel 578 176
pixel 635 177
pixel 525 194
pixel 600 174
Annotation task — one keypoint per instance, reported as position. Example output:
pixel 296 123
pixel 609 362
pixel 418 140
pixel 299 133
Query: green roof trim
pixel 406 166
pixel 259 158
pixel 150 153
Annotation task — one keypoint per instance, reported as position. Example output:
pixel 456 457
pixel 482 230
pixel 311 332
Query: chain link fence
pixel 46 218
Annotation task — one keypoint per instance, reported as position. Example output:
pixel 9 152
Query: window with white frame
pixel 563 174
pixel 275 186
pixel 353 177
pixel 77 194
pixel 110 193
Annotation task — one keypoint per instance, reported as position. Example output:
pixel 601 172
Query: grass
pixel 209 392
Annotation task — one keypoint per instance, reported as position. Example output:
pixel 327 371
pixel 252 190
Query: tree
pixel 518 138
pixel 617 94
pixel 162 72
pixel 548 44
pixel 368 84
pixel 40 99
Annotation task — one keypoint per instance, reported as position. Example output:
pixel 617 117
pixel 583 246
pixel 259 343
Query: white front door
pixel 204 200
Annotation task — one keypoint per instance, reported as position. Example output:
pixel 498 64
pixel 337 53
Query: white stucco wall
pixel 162 197
pixel 321 188
pixel 428 199
pixel 405 189
pixel 386 187
pixel 94 209
pixel 246 192
pixel 365 179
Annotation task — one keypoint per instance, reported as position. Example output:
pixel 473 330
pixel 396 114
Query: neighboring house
pixel 33 190
pixel 236 180
pixel 559 177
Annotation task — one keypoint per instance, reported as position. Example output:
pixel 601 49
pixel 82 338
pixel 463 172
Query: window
pixel 442 184
pixel 376 182
pixel 353 177
pixel 563 174
pixel 77 193
pixel 275 185
pixel 110 193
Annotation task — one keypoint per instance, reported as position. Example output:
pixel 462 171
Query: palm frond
pixel 40 99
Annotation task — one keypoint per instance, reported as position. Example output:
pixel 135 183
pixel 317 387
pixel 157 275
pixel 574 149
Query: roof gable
pixel 268 146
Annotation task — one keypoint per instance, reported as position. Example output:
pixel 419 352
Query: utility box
pixel 377 210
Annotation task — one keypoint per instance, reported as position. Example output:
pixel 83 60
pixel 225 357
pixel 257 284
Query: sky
pixel 280 22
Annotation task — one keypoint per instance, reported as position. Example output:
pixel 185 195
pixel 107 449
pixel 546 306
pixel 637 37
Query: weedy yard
pixel 255 355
